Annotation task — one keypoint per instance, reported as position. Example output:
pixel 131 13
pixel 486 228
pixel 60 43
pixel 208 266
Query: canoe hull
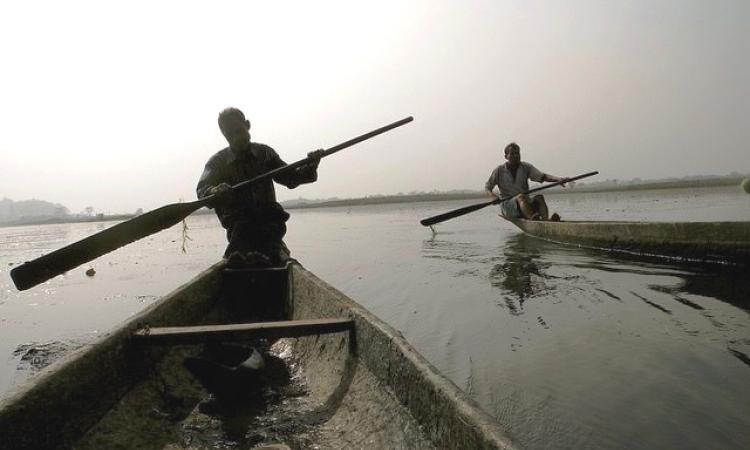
pixel 364 388
pixel 715 242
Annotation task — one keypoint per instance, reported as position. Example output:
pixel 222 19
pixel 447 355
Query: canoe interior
pixel 713 242
pixel 365 388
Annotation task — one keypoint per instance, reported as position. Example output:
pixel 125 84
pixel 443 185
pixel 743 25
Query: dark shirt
pixel 256 202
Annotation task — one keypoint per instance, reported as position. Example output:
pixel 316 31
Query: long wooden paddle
pixel 471 208
pixel 31 273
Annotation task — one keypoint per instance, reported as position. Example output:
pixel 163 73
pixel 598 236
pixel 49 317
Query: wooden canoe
pixel 364 387
pixel 714 242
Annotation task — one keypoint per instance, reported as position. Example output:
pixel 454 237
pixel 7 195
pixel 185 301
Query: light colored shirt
pixel 510 185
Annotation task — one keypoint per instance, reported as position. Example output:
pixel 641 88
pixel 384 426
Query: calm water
pixel 566 347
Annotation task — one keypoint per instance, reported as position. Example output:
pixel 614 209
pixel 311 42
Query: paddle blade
pixel 31 273
pixel 455 213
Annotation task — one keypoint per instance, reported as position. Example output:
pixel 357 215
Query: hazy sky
pixel 114 106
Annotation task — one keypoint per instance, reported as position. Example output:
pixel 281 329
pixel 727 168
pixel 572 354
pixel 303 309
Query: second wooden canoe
pixel 714 242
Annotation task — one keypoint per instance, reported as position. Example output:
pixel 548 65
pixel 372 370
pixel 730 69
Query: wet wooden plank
pixel 241 331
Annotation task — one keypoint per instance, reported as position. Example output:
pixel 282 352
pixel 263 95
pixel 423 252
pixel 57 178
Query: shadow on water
pixel 728 284
pixel 724 283
pixel 696 286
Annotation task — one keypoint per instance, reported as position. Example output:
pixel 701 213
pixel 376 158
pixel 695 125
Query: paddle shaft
pixel 471 208
pixel 39 270
pixel 327 152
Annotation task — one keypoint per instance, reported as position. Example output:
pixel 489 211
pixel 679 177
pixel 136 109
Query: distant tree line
pixel 11 211
pixel 40 211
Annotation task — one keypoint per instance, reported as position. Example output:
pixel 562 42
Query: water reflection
pixel 522 272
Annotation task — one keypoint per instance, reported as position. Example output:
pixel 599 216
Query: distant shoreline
pixel 414 198
pixel 434 197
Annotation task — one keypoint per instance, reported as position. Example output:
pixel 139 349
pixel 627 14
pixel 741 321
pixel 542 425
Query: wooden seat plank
pixel 241 331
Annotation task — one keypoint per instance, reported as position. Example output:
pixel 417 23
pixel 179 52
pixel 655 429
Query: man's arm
pixel 489 186
pixel 541 177
pixel 206 182
pixel 209 184
pixel 554 179
pixel 301 175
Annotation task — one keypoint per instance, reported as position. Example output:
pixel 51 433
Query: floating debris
pixel 36 356
pixel 91 272
pixel 145 298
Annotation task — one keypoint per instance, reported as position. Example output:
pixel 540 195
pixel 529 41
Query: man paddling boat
pixel 254 220
pixel 512 179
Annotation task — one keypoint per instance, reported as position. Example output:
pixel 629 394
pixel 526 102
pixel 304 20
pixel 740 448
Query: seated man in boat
pixel 254 221
pixel 512 179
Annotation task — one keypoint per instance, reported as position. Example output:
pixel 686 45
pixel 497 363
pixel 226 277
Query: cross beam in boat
pixel 241 331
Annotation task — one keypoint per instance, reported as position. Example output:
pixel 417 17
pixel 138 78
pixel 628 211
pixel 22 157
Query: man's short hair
pixel 510 147
pixel 226 113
